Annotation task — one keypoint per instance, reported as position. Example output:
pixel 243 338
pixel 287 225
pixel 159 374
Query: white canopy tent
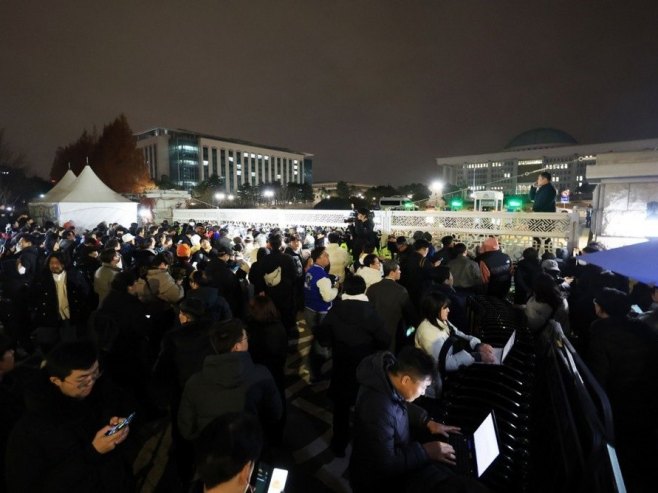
pixel 86 201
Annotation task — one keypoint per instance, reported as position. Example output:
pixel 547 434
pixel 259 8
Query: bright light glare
pixel 268 193
pixel 437 186
pixel 220 196
pixel 231 197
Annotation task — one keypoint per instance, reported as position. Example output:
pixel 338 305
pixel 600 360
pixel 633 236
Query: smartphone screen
pixel 278 481
pixel 120 426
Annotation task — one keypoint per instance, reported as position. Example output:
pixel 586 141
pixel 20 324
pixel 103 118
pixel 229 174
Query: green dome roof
pixel 538 138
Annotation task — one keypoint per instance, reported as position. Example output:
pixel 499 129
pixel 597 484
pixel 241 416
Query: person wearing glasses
pixel 61 443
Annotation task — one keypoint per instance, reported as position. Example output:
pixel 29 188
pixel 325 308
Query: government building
pixel 187 158
pixel 514 169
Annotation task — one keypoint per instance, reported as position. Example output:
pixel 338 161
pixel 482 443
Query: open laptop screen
pixel 485 442
pixel 508 346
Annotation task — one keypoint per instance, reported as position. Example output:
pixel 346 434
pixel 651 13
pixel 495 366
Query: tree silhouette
pixel 113 156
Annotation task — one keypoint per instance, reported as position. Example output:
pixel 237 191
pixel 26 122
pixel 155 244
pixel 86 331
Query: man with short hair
pixel 392 303
pixel 543 195
pixel 418 272
pixel 228 382
pixel 384 456
pixel 105 273
pixel 371 270
pixel 465 272
pixel 61 443
pixel 221 276
pixel 353 330
pixel 227 452
pixel 319 292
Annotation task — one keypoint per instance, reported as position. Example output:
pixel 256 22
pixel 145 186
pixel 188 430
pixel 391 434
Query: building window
pixel 214 161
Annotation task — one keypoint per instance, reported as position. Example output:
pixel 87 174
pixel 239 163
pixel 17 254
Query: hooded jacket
pixel 228 382
pixel 383 451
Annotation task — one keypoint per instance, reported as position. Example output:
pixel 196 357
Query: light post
pixel 269 195
pixel 219 197
pixel 436 187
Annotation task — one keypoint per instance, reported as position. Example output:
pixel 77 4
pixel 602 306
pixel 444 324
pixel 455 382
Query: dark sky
pixel 375 89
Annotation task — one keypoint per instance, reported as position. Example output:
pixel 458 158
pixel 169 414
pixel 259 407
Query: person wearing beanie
pixel 622 357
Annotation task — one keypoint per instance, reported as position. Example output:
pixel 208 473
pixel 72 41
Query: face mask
pixel 21 270
pixel 19 247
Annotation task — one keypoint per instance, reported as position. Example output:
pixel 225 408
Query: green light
pixel 456 203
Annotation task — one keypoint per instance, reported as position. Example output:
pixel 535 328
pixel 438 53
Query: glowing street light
pixel 268 194
pixel 231 197
pixel 437 187
pixel 220 196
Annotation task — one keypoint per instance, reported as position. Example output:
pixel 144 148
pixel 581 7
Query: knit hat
pixel 183 250
pixel 126 237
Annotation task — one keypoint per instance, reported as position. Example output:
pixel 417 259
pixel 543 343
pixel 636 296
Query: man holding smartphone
pixel 543 195
pixel 61 443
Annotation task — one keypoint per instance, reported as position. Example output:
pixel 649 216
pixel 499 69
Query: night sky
pixel 374 89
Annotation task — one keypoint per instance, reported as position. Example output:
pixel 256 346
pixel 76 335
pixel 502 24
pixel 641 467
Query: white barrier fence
pixel 515 230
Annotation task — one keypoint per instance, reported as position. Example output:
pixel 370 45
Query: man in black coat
pixel 392 303
pixel 354 330
pixel 543 195
pixel 60 299
pixel 384 456
pixel 418 271
pixel 622 356
pixel 60 444
pixel 221 276
pixel 279 277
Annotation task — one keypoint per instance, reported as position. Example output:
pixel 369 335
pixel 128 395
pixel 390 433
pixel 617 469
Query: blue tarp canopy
pixel 639 262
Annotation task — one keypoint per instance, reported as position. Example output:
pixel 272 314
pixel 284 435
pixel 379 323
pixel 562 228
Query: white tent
pixel 86 201
pixel 62 188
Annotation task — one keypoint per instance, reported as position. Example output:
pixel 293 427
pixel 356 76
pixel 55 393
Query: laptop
pixel 500 353
pixel 269 479
pixel 475 453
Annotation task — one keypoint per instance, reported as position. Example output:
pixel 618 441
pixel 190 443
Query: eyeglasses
pixel 87 379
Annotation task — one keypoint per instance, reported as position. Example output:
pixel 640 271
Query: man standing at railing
pixel 543 194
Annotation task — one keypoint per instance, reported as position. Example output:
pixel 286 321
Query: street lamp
pixel 437 188
pixel 220 196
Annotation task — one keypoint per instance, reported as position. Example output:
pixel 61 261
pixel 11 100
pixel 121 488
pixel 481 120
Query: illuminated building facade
pixel 515 169
pixel 187 158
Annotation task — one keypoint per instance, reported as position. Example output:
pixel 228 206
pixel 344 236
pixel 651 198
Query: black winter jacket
pixel 354 330
pixel 383 451
pixel 50 448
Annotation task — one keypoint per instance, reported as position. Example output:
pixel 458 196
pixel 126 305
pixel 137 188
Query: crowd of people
pixel 196 321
